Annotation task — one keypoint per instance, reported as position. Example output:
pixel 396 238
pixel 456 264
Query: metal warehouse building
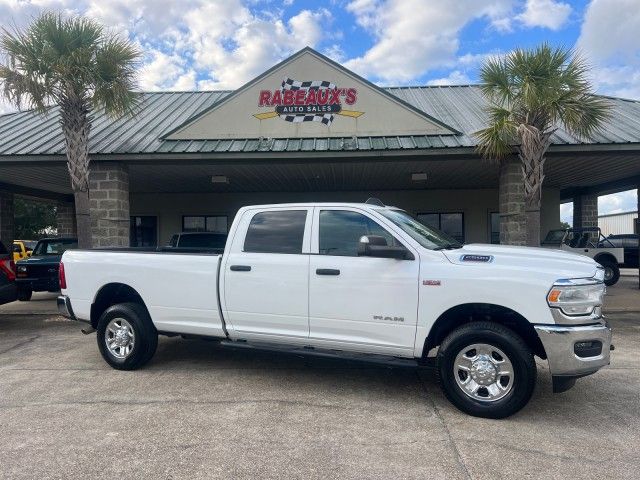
pixel 306 130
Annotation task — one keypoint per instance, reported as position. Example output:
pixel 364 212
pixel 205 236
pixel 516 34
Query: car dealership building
pixel 306 130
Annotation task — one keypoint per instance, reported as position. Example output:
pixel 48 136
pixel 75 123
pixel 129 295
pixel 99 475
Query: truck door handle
pixel 327 271
pixel 240 268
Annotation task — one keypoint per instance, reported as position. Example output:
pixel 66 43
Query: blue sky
pixel 221 44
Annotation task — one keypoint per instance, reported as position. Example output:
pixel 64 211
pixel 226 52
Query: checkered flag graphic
pixel 290 84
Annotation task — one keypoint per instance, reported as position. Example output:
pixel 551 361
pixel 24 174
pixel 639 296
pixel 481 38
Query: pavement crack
pixel 451 440
pixel 20 344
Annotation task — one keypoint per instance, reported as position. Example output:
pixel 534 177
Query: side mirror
pixel 376 246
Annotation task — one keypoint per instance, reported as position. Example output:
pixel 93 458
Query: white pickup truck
pixel 361 281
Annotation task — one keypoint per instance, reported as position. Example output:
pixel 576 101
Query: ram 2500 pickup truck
pixel 357 280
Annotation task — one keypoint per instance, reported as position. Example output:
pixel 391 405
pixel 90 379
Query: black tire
pixel 145 335
pixel 518 353
pixel 24 294
pixel 613 268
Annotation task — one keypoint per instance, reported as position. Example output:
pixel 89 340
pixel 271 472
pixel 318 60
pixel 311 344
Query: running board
pixel 384 360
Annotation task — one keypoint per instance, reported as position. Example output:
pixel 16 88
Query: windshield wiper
pixel 449 246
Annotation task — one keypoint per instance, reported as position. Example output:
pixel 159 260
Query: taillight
pixel 62 279
pixel 9 269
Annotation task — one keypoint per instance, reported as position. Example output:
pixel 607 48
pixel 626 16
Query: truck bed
pixel 180 289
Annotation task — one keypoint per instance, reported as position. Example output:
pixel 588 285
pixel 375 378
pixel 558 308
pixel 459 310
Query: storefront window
pixel 450 223
pixel 204 223
pixel 144 231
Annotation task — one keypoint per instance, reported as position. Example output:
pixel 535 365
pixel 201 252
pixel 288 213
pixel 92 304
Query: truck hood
pixel 526 259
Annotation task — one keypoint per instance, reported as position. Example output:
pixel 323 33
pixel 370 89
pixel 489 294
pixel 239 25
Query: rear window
pixel 54 247
pixel 276 232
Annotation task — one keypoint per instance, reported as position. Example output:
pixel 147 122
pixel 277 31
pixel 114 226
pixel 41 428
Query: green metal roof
pixel 461 107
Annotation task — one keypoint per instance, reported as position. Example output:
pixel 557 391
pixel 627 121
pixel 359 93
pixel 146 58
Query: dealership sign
pixel 307 101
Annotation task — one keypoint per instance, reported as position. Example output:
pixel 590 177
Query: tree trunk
pixel 83 218
pixel 532 149
pixel 76 126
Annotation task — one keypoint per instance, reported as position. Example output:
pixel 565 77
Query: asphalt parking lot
pixel 201 411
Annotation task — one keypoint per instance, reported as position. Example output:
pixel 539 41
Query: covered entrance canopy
pixel 308 129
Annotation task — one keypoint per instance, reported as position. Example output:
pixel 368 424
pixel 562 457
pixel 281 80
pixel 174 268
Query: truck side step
pixel 307 350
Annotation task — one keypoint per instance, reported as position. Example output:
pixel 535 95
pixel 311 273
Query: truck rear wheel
pixel 24 294
pixel 126 336
pixel 486 370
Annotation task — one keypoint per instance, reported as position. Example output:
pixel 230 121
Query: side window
pixel 276 232
pixel 340 232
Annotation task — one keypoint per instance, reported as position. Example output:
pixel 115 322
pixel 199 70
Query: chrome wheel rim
pixel 119 338
pixel 483 372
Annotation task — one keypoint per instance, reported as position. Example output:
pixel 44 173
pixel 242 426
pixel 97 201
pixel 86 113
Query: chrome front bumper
pixel 64 307
pixel 560 341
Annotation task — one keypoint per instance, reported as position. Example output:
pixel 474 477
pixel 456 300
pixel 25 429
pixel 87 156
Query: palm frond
pixel 58 58
pixel 496 141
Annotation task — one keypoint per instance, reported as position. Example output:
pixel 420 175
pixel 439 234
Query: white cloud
pixel 454 78
pixel 194 43
pixel 413 36
pixel 545 13
pixel 166 72
pixel 609 40
pixel 618 202
pixel 566 212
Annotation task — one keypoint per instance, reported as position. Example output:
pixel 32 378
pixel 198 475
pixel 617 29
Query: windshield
pixel 428 237
pixel 54 247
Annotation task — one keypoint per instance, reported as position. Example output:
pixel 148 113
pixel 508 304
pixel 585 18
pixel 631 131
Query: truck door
pixel 355 302
pixel 266 275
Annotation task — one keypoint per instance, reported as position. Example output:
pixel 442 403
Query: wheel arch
pixel 605 256
pixel 113 294
pixel 474 312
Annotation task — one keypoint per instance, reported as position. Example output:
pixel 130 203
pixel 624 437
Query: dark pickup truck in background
pixel 8 289
pixel 198 240
pixel 39 272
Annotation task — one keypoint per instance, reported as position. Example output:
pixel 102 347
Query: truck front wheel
pixel 126 336
pixel 486 370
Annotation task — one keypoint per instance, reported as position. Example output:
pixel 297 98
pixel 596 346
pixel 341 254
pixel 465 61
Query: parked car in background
pixel 628 242
pixel 39 272
pixel 198 240
pixel 590 242
pixel 8 289
pixel 23 249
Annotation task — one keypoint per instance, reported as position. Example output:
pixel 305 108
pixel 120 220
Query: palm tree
pixel 75 64
pixel 530 94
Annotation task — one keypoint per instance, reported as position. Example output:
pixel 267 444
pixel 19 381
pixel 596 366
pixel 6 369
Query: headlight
pixel 21 268
pixel 576 296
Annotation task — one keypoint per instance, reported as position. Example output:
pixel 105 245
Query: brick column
pixel 7 230
pixel 66 219
pixel 585 211
pixel 109 203
pixel 511 199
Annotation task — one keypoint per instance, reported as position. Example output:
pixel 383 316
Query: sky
pixel 221 44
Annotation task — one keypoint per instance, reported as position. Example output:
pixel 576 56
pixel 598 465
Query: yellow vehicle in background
pixel 22 249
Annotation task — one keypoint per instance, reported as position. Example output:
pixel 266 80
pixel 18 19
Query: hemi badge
pixel 432 283
pixel 476 258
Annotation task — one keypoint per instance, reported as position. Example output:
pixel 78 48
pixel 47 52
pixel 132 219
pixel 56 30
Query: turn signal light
pixel 554 295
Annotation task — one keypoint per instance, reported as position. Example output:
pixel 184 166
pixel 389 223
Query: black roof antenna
pixel 375 201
